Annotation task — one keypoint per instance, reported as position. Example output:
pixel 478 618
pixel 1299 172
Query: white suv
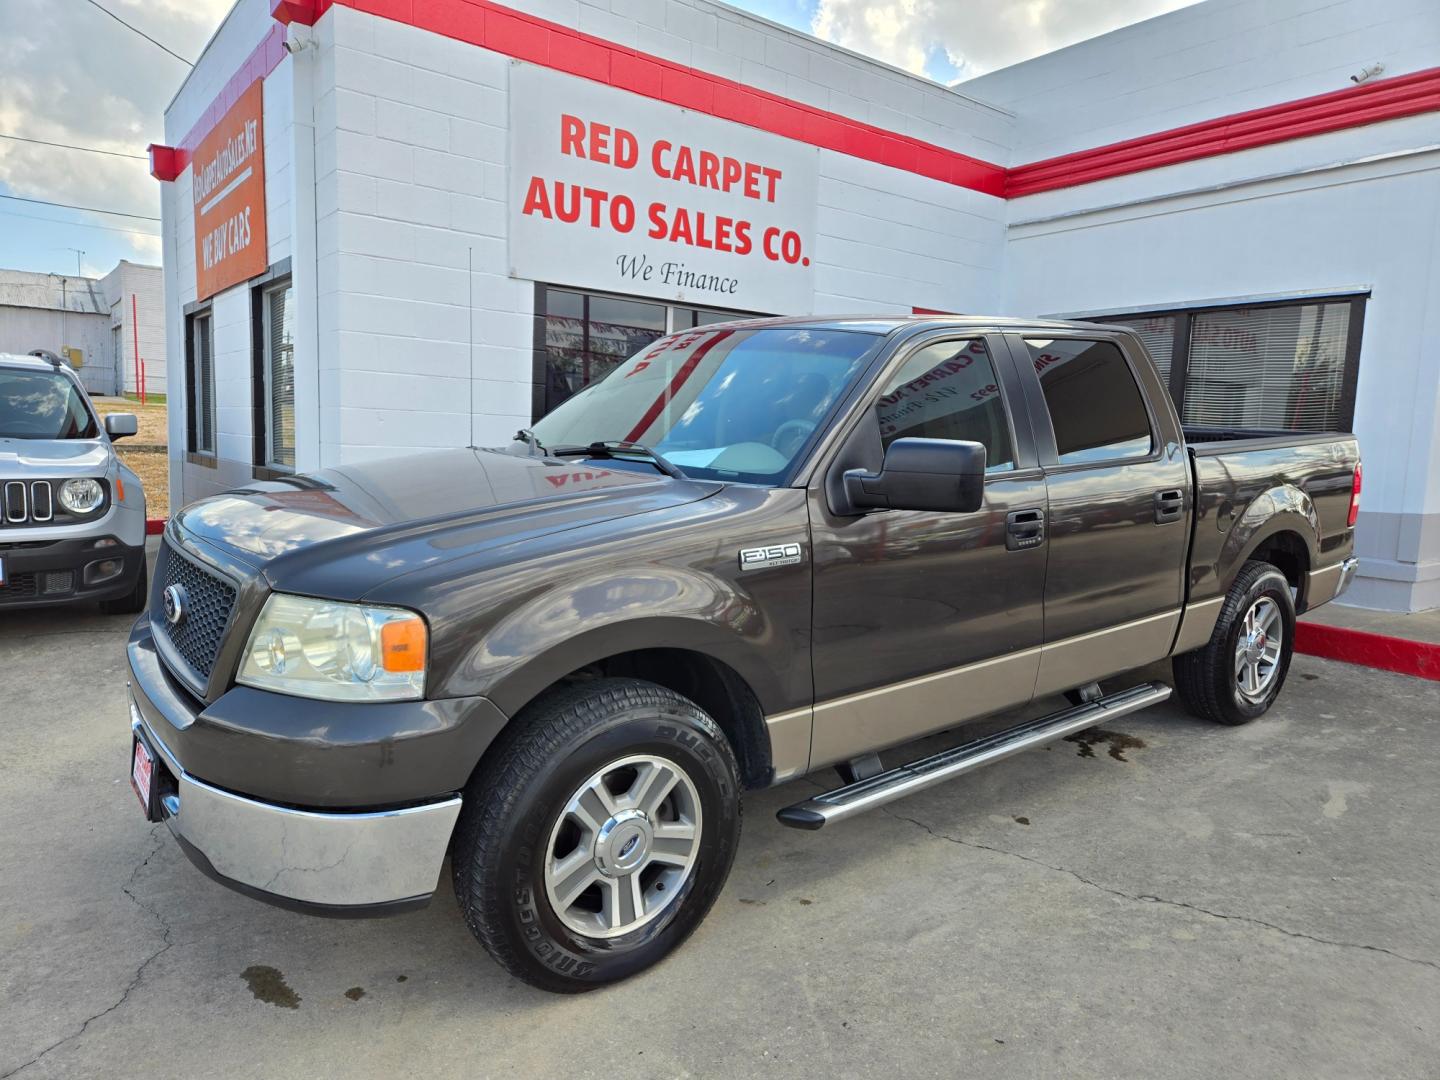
pixel 72 516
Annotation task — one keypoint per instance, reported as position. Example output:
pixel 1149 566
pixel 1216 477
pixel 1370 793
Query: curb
pixel 1418 658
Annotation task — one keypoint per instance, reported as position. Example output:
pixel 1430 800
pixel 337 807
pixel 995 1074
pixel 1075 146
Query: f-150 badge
pixel 763 558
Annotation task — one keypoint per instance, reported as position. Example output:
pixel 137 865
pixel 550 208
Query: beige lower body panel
pixel 888 715
pixel 790 742
pixel 1088 657
pixel 1197 623
pixel 1325 584
pixel 872 720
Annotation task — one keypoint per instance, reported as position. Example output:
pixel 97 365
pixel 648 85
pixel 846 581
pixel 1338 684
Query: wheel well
pixel 710 684
pixel 1287 552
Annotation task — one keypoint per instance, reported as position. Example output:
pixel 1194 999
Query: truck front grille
pixel 208 602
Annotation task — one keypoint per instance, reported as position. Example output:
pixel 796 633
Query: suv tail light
pixel 1354 497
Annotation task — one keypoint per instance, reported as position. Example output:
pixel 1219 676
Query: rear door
pixel 1118 488
pixel 923 620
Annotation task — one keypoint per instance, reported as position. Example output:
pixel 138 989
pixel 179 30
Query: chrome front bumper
pixel 326 863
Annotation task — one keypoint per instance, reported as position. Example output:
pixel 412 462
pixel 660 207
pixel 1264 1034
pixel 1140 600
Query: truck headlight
pixel 81 496
pixel 337 652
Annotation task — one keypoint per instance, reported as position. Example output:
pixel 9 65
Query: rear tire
pixel 1239 673
pixel 134 602
pixel 563 899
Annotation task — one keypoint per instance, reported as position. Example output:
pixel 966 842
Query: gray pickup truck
pixel 72 515
pixel 752 552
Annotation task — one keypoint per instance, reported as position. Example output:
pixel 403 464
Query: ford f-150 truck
pixel 753 551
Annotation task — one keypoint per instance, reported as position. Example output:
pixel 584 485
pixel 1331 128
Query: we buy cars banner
pixel 613 191
pixel 228 183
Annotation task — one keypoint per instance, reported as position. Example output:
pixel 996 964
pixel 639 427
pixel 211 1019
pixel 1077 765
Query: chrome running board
pixel 895 784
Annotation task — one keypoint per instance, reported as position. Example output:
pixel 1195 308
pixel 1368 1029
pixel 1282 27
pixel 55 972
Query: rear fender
pixel 1280 509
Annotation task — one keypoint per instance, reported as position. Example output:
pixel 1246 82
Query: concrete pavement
pixel 1173 899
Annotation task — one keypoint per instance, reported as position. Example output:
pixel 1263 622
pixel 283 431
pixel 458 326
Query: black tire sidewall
pixel 552 948
pixel 134 602
pixel 1237 708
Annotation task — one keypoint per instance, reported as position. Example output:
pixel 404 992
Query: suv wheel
pixel 597 835
pixel 1238 674
pixel 134 602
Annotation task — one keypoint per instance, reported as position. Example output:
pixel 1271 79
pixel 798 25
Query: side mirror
pixel 941 475
pixel 121 425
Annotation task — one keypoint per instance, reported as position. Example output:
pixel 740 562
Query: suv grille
pixel 209 600
pixel 21 502
pixel 31 586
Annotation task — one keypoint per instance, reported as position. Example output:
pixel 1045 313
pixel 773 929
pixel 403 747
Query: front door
pixel 1119 488
pixel 924 620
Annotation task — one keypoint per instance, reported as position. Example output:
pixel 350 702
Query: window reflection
pixel 1095 405
pixel 587 335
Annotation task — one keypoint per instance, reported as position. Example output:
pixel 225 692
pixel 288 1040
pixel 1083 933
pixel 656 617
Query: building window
pixel 582 337
pixel 276 377
pixel 949 391
pixel 1095 405
pixel 1268 367
pixel 1282 366
pixel 200 383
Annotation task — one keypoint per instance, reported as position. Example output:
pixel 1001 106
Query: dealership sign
pixel 228 182
pixel 609 190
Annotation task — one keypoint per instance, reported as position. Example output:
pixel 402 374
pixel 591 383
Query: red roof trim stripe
pixel 263 59
pixel 539 41
pixel 1369 103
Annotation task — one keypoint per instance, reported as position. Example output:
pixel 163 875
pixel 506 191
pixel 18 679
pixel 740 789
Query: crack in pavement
pixel 139 975
pixel 1150 898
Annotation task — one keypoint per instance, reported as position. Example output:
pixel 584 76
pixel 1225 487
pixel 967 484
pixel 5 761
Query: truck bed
pixel 1207 442
pixel 1248 481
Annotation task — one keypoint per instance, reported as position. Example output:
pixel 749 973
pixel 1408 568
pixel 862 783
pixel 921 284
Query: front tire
pixel 1239 673
pixel 597 833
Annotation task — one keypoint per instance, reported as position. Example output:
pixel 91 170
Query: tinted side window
pixel 1095 404
pixel 949 391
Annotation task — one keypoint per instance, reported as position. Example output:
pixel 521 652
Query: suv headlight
pixel 337 652
pixel 81 496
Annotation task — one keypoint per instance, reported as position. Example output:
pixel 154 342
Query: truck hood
pixel 342 532
pixel 54 457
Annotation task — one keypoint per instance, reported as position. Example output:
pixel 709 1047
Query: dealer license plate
pixel 142 775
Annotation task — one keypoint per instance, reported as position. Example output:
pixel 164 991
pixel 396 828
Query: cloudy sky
pixel 71 74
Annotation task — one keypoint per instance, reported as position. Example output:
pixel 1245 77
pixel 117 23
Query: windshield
pixel 42 405
pixel 721 404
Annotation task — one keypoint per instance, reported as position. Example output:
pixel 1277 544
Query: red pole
pixel 139 367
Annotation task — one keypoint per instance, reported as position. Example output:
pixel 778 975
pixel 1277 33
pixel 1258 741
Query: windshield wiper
pixel 614 448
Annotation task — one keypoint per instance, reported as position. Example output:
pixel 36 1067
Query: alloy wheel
pixel 623 846
pixel 1258 648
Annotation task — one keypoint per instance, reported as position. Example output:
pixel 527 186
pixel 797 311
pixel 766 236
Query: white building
pixel 94 323
pixel 135 298
pixel 421 225
pixel 62 314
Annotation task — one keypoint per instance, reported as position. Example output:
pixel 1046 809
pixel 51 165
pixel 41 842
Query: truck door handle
pixel 1024 529
pixel 1169 505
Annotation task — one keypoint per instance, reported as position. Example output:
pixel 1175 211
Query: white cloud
pixel 74 75
pixel 977 35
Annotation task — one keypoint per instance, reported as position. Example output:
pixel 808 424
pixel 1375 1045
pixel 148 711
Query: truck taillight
pixel 1354 498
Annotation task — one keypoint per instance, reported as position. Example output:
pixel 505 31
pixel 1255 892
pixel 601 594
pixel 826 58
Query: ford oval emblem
pixel 175 604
